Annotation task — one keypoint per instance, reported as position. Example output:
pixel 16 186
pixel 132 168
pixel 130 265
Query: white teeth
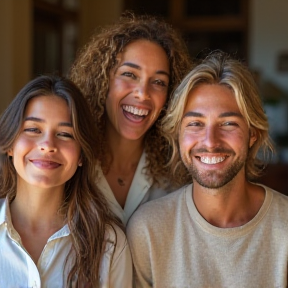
pixel 212 160
pixel 135 111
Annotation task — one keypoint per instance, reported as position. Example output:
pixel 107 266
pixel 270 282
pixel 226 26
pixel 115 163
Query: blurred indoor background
pixel 43 36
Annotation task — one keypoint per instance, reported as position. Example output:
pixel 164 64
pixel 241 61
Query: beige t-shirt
pixel 172 245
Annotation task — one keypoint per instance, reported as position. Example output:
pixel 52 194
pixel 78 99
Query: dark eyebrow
pixel 133 65
pixel 35 119
pixel 193 114
pixel 231 114
pixel 39 120
pixel 222 115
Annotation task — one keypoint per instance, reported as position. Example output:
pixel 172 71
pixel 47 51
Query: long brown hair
pixel 93 65
pixel 84 206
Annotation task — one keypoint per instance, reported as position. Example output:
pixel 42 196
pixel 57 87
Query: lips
pixel 135 114
pixel 45 164
pixel 135 111
pixel 211 160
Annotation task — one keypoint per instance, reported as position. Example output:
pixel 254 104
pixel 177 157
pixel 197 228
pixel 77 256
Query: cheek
pixel 72 151
pixel 186 142
pixel 21 147
pixel 118 90
pixel 160 101
pixel 117 86
pixel 237 140
pixel 18 153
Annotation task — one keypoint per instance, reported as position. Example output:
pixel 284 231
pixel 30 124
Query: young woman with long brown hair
pixel 56 229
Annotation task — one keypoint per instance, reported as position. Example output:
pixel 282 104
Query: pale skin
pixel 126 156
pixel 35 216
pixel 213 137
pixel 139 81
pixel 45 156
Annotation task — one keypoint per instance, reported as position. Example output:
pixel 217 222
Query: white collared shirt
pixel 141 191
pixel 18 270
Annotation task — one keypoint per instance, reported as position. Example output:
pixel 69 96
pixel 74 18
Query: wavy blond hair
pixel 93 65
pixel 220 68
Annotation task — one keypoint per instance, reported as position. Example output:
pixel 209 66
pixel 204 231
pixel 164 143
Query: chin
pixel 133 137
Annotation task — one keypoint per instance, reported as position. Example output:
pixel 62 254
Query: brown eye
pixel 32 130
pixel 160 82
pixel 129 74
pixel 65 135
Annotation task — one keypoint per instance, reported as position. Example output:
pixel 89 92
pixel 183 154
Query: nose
pixel 47 144
pixel 141 90
pixel 211 137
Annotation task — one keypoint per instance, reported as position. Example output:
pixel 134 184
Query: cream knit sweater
pixel 173 246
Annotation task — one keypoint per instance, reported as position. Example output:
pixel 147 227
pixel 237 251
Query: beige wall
pixel 268 38
pixel 15 48
pixel 97 13
pixel 16 31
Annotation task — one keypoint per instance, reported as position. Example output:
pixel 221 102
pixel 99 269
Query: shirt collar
pixel 5 215
pixel 139 186
pixel 2 210
pixel 138 189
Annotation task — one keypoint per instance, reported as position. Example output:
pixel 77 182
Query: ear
pixel 253 137
pixel 80 161
pixel 10 152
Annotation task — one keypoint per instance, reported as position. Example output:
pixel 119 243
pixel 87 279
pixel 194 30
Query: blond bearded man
pixel 222 230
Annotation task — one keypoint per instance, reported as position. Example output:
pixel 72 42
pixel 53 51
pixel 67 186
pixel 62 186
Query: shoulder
pixel 158 210
pixel 154 192
pixel 273 194
pixel 116 241
pixel 116 266
pixel 279 199
pixel 166 201
pixel 276 203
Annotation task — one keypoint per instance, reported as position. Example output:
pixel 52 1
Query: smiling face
pixel 45 154
pixel 138 89
pixel 214 137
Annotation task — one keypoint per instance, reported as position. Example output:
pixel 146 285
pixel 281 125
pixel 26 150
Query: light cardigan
pixel 18 270
pixel 141 190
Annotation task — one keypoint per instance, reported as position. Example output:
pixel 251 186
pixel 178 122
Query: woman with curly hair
pixel 127 73
pixel 48 198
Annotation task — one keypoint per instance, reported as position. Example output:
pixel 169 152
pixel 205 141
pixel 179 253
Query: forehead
pixel 210 99
pixel 144 52
pixel 51 105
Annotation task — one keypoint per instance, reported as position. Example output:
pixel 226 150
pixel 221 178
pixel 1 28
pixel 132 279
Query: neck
pixel 37 208
pixel 233 205
pixel 125 153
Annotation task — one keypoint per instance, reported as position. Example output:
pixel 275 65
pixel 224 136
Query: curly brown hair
pixel 92 67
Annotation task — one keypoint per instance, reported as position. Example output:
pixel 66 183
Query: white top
pixel 172 245
pixel 141 191
pixel 17 268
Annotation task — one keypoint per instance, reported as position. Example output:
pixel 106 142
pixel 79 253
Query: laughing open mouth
pixel 211 160
pixel 135 111
pixel 134 114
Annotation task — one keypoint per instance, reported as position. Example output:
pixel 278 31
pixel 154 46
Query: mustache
pixel 215 150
